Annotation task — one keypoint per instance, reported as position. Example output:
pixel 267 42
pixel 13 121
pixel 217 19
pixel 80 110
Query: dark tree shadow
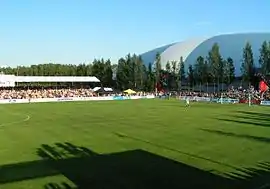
pixel 230 134
pixel 249 118
pixel 196 156
pixel 135 169
pixel 236 120
pixel 130 169
pixel 63 185
pixel 249 177
pixel 255 114
pixel 254 178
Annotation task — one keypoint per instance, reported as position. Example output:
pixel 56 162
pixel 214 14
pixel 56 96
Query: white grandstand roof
pixel 28 79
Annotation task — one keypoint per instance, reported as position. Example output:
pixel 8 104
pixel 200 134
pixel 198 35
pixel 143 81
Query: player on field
pixel 187 102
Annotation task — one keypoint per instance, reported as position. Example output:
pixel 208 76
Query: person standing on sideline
pixel 187 102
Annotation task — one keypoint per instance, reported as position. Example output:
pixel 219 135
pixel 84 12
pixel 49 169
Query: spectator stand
pixel 24 87
pixel 56 81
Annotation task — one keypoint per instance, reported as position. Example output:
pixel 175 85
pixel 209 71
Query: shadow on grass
pixel 249 118
pixel 63 185
pixel 257 178
pixel 195 156
pixel 230 134
pixel 136 169
pixel 128 170
pixel 249 177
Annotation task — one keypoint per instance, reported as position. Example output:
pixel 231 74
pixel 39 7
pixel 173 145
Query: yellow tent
pixel 129 91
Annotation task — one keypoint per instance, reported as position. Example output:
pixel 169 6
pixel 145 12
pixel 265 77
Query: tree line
pixel 131 72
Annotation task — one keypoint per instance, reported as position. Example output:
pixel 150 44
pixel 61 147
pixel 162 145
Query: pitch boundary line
pixel 27 118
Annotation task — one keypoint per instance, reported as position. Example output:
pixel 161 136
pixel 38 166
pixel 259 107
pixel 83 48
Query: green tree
pixel 264 59
pixel 158 67
pixel 169 75
pixel 101 69
pixel 150 79
pixel 231 69
pixel 139 73
pixel 107 74
pixel 133 69
pixel 80 71
pixel 215 64
pixel 168 67
pixel 131 73
pixel 199 70
pixel 247 67
pixel 180 73
pixel 206 72
pixel 191 79
pixel 174 68
pixel 122 75
pixel 173 75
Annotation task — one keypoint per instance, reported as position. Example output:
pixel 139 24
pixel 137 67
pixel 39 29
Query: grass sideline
pixel 134 144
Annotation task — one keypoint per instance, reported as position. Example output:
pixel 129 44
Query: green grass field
pixel 137 144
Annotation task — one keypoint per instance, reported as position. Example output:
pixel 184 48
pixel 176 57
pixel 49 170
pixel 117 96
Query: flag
pixel 158 86
pixel 162 82
pixel 263 87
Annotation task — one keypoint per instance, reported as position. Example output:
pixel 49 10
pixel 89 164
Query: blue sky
pixel 77 31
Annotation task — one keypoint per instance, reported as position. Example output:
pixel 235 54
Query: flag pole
pixel 249 99
pixel 221 99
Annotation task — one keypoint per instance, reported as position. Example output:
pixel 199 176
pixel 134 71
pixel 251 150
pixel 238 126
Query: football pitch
pixel 134 144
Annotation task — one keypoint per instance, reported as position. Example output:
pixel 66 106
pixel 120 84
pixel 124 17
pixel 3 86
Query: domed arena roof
pixel 231 45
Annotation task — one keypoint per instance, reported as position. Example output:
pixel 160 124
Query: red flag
pixel 158 86
pixel 263 86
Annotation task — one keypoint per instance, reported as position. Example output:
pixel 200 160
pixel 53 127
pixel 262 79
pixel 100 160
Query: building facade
pixel 231 45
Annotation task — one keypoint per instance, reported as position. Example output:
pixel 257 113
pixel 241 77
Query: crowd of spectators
pixel 44 93
pixel 55 93
pixel 14 93
pixel 234 93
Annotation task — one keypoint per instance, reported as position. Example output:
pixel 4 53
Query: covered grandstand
pixel 36 87
pixel 231 45
pixel 13 81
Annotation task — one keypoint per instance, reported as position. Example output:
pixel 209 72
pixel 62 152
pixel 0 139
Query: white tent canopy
pixel 105 89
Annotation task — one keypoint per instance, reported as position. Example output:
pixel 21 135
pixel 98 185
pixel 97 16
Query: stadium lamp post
pixel 249 99
pixel 18 67
pixel 222 90
pixel 249 95
pixel 17 74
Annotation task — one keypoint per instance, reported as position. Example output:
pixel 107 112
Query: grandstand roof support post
pixel 180 83
pixel 218 85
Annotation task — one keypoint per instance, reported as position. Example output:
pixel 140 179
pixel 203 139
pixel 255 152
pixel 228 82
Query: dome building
pixel 231 45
